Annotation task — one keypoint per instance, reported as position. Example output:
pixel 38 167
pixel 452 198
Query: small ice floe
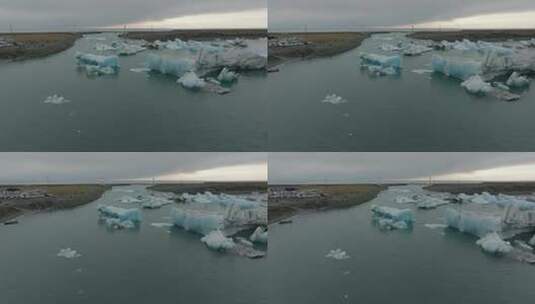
pixel 422 71
pixel 333 99
pixel 404 200
pixel 56 99
pixel 337 254
pixel 130 49
pixel 227 75
pixel 217 241
pixel 155 203
pixel 517 81
pixel 436 226
pixel 68 253
pixel 98 65
pixel 381 65
pixel 119 218
pixel 387 47
pixel 161 225
pixel 190 80
pixel 260 235
pixel 140 70
pixel 414 49
pixel 476 85
pixel 102 47
pixel 493 243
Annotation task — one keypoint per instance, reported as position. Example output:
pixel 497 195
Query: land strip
pixel 20 46
pixel 474 35
pixel 510 188
pixel 207 34
pixel 213 187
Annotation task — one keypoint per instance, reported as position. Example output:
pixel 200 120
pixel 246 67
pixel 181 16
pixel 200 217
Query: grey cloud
pixel 340 14
pixel 90 167
pixel 64 14
pixel 362 167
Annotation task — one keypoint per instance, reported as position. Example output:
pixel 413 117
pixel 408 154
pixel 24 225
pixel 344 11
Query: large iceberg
pixel 171 65
pixel 217 241
pixel 197 221
pixel 494 244
pixel 457 68
pixel 393 61
pixel 472 222
pixel 403 215
pixel 122 214
pixel 516 80
pixel 97 60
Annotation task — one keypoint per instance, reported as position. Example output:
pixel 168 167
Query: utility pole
pixel 11 28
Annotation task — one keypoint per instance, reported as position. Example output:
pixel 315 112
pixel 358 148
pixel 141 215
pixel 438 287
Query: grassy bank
pixel 315 45
pixel 214 187
pixel 55 197
pixel 486 35
pixel 328 197
pixel 207 34
pixel 511 188
pixel 34 45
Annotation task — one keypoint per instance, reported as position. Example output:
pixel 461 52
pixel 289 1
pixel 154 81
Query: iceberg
pixel 116 223
pixel 68 253
pixel 227 75
pixel 404 200
pixel 532 240
pixel 259 235
pixel 381 60
pixel 170 65
pixel 476 85
pixel 122 214
pixel 471 222
pixel 398 215
pixel 217 241
pixel 337 254
pixel 219 199
pixel 457 68
pixel 416 49
pixel 389 47
pixel 97 60
pixel 436 226
pixel 516 80
pixel 333 99
pixel 95 70
pixel 431 203
pixel 161 225
pixel 56 99
pixel 494 244
pixel 390 224
pixel 130 49
pixel 101 47
pixel 197 221
pixel 190 80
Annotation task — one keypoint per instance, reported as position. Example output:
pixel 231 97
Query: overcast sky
pixel 346 14
pixel 378 167
pixel 95 167
pixel 65 14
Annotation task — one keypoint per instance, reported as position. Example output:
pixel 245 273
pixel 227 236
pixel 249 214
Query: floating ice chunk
pixel 389 47
pixel 422 71
pixel 122 214
pixel 140 70
pixel 390 224
pixel 176 66
pixel 161 225
pixel 516 80
pixel 532 240
pixel 414 49
pixel 259 235
pixel 68 253
pixel 217 241
pixel 337 254
pixel 378 70
pixel 435 226
pixel 431 203
pixel 227 75
pixel 155 203
pixel 97 60
pixel 404 200
pixel 333 99
pixel 476 85
pixel 56 99
pixel 494 244
pixel 402 215
pixel 457 68
pixel 197 221
pixel 116 223
pixel 471 222
pixel 95 70
pixel 129 200
pixel 130 49
pixel 104 47
pixel 220 199
pixel 190 80
pixel 381 60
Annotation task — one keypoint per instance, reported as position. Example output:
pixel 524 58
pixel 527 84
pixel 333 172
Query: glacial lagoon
pixel 128 111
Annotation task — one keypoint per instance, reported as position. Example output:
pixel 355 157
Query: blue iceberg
pixel 381 60
pixel 473 223
pixel 456 68
pixel 169 64
pixel 122 214
pixel 196 221
pixel 97 60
